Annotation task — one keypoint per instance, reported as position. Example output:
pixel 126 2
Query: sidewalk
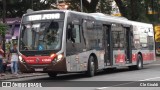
pixel 22 75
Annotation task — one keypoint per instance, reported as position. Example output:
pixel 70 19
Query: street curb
pixel 16 77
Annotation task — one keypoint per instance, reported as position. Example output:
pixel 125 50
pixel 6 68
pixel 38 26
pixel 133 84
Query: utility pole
pixel 100 6
pixel 32 4
pixel 57 2
pixel 81 5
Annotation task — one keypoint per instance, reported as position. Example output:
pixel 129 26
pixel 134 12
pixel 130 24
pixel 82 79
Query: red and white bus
pixel 64 41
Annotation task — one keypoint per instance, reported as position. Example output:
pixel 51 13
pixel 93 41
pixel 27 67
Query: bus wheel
pixel 52 74
pixel 91 67
pixel 139 62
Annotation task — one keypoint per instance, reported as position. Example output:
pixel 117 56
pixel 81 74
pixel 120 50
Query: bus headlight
pixel 20 59
pixel 59 57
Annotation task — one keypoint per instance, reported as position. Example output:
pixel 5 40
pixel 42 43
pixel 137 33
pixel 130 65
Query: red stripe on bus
pixel 148 56
pixel 120 58
pixel 134 57
pixel 38 59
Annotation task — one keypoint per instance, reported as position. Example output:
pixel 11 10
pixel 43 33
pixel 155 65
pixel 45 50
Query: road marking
pixel 115 85
pixel 149 79
pixel 152 64
pixel 101 88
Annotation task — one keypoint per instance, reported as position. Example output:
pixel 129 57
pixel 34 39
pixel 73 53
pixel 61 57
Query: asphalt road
pixel 122 78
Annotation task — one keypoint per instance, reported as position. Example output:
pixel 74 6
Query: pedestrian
pixel 14 60
pixel 1 60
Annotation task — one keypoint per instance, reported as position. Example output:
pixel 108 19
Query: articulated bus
pixel 64 41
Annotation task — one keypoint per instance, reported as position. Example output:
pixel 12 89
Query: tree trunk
pixel 122 8
pixel 91 7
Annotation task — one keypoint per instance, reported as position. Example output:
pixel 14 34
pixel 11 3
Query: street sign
pixel 157 33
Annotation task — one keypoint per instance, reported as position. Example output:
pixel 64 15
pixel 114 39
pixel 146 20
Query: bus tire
pixel 91 67
pixel 52 74
pixel 139 62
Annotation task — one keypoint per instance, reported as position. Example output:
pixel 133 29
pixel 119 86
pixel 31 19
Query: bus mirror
pixel 74 33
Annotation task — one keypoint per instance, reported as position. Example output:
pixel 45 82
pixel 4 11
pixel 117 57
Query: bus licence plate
pixel 39 69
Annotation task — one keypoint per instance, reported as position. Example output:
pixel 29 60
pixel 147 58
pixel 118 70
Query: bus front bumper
pixel 59 67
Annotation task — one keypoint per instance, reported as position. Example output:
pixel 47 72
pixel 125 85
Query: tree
pixel 103 6
pixel 16 8
pixel 137 10
pixel 132 9
pixel 3 29
pixel 122 7
pixel 87 6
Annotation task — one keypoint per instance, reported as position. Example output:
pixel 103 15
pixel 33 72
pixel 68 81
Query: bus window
pixel 118 36
pixel 41 35
pixel 76 33
pixel 73 33
pixel 150 42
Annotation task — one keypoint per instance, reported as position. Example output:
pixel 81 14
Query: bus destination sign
pixel 37 17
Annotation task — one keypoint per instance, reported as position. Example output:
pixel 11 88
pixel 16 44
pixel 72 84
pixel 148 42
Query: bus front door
pixel 107 45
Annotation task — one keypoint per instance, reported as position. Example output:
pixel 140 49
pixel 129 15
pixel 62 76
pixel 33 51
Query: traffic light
pixel 157 33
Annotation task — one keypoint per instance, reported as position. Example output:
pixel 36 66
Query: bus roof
pixel 141 24
pixel 44 11
pixel 98 16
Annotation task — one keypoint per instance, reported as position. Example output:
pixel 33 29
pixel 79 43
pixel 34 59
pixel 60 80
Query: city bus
pixel 65 41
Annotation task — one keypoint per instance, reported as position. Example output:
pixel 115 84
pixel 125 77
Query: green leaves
pixel 103 6
pixel 140 10
pixel 3 29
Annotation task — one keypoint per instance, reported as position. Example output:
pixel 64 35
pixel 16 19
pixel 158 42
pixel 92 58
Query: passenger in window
pixel 52 35
pixel 53 28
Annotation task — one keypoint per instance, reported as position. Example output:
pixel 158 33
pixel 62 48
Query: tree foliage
pixel 104 6
pixel 3 29
pixel 138 10
pixel 87 6
pixel 16 8
pixel 132 9
pixel 92 6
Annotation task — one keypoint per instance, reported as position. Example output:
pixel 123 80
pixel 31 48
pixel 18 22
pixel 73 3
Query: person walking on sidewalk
pixel 14 60
pixel 1 60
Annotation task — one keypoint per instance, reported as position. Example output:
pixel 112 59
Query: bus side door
pixel 107 45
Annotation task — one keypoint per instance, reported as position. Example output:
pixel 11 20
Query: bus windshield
pixel 41 35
